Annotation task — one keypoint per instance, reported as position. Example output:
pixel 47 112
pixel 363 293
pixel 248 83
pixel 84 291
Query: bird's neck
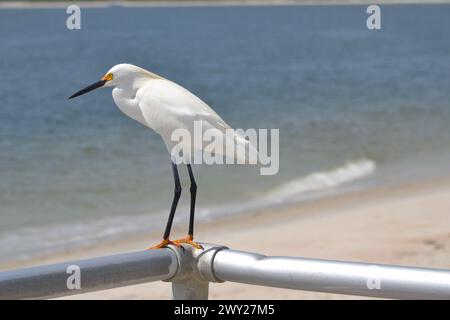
pixel 126 101
pixel 125 92
pixel 128 90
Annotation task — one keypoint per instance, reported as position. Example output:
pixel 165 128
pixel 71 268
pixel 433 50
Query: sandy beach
pixel 361 133
pixel 404 225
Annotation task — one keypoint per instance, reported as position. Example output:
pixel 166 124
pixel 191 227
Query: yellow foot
pixel 189 240
pixel 164 243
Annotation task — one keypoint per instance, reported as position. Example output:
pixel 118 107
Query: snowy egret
pixel 163 106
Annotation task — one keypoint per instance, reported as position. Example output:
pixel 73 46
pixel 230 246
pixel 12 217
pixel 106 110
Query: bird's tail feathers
pixel 245 152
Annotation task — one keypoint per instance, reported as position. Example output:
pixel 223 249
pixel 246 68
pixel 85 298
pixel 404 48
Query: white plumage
pixel 165 106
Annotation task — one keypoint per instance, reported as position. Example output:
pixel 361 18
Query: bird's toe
pixel 189 240
pixel 164 243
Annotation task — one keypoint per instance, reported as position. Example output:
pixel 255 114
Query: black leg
pixel 193 196
pixel 176 197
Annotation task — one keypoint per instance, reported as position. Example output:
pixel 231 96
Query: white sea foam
pixel 26 242
pixel 325 180
pixel 316 184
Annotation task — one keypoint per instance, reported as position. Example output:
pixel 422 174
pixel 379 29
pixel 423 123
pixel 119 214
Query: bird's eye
pixel 108 77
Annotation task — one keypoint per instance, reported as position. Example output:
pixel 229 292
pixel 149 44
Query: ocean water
pixel 355 108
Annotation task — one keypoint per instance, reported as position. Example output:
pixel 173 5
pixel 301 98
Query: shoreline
pixel 405 224
pixel 202 3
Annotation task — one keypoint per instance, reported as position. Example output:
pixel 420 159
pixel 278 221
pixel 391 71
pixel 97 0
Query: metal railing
pixel 190 271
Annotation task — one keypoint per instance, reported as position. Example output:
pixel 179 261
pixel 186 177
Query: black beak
pixel 93 86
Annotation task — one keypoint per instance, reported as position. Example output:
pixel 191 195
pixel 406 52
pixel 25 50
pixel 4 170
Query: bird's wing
pixel 167 106
pixel 164 102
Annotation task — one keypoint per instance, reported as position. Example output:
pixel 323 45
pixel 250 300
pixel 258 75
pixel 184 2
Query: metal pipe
pixel 348 278
pixel 190 272
pixel 88 275
pixel 188 283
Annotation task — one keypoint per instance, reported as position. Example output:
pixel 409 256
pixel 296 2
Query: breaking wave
pixel 23 243
pixel 324 180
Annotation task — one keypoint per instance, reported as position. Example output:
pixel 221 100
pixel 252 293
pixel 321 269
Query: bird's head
pixel 124 75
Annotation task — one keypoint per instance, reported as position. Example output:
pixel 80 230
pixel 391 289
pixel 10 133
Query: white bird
pixel 165 106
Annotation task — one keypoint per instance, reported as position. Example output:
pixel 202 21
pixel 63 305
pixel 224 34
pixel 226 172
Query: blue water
pixel 78 171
